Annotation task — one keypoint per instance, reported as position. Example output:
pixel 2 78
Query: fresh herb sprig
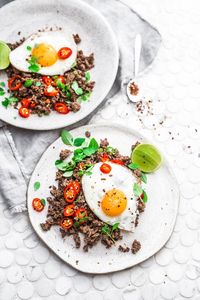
pixel 140 193
pixel 107 230
pixel 8 101
pixel 34 66
pixel 134 166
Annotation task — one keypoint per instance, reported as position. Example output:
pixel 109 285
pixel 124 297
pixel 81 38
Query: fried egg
pixel 110 196
pixel 44 47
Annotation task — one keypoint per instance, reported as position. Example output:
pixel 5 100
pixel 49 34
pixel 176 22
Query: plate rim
pixel 89 111
pixel 169 167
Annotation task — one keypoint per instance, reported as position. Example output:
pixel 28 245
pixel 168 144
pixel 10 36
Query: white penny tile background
pixel 28 270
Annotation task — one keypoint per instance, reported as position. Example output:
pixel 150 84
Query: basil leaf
pixel 2 84
pixel 84 97
pixel 137 190
pixel 8 101
pixel 93 144
pixel 78 142
pixel 105 229
pixel 144 177
pixel 79 91
pixel 36 185
pixel 2 93
pixel 66 137
pixel 43 201
pixel 5 102
pixel 89 151
pixel 34 68
pixel 67 174
pixel 60 85
pixel 115 226
pixel 145 198
pixel 133 166
pixel 87 76
pixel 29 48
pixel 28 82
pixel 64 166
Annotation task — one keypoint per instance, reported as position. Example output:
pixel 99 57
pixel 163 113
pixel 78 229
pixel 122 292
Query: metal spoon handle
pixel 138 46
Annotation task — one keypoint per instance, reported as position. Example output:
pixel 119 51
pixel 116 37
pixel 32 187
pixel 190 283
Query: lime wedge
pixel 4 55
pixel 147 157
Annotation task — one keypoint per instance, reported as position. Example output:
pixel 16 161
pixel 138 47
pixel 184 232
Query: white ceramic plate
pixel 155 224
pixel 27 16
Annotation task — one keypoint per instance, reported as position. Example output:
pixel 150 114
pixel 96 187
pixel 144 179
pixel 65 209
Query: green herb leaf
pixel 133 166
pixel 8 101
pixel 105 229
pixel 29 48
pixel 93 144
pixel 68 174
pixel 144 177
pixel 66 137
pixel 76 88
pixel 36 185
pixel 87 76
pixel 68 95
pixel 84 97
pixel 73 65
pixel 79 91
pixel 115 226
pixel 110 150
pixel 86 171
pixel 2 93
pixel 2 84
pixel 137 190
pixel 28 82
pixel 60 84
pixel 34 67
pixel 145 198
pixel 78 142
pixel 64 166
pixel 37 83
pixel 43 201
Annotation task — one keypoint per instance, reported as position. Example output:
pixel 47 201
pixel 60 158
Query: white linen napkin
pixel 20 149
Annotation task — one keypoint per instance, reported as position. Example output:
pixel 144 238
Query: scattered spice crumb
pixel 134 89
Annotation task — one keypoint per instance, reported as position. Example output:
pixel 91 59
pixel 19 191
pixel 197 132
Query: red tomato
pixel 66 223
pixel 117 161
pixel 105 168
pixel 37 204
pixel 48 81
pixel 81 213
pixel 64 53
pixel 69 210
pixel 61 108
pixel 50 91
pixel 70 193
pixel 14 84
pixel 24 112
pixel 61 79
pixel 26 102
pixel 104 157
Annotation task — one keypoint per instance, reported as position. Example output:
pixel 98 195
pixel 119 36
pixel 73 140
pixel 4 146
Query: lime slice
pixel 147 157
pixel 4 55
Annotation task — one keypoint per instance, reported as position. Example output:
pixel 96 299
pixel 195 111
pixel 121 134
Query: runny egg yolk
pixel 114 203
pixel 45 54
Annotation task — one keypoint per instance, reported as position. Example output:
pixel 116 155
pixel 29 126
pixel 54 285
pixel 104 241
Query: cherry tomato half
pixel 69 210
pixel 117 161
pixel 14 83
pixel 104 157
pixel 48 81
pixel 70 193
pixel 26 102
pixel 37 204
pixel 61 108
pixel 64 53
pixel 81 213
pixel 24 112
pixel 66 224
pixel 105 168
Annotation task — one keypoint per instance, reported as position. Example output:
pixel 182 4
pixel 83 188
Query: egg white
pixel 97 184
pixel 57 39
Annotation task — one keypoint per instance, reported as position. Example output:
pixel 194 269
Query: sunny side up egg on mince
pixel 48 72
pixel 110 195
pixel 53 51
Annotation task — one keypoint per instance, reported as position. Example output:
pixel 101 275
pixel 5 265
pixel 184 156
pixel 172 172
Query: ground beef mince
pixel 91 228
pixel 43 104
pixel 135 246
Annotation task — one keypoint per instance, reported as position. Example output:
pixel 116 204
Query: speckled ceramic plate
pixel 27 16
pixel 155 224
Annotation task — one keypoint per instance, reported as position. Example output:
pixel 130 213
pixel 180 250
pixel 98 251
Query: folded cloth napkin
pixel 20 149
